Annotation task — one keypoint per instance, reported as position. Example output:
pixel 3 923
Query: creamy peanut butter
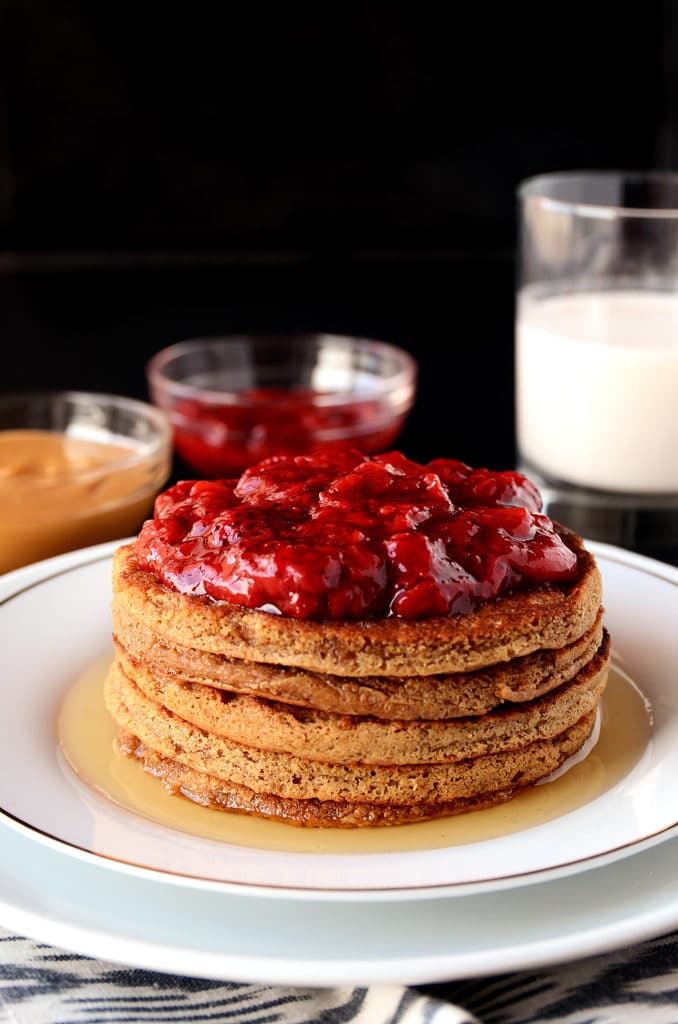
pixel 58 493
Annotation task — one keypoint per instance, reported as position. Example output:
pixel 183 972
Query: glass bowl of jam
pixel 76 469
pixel 236 400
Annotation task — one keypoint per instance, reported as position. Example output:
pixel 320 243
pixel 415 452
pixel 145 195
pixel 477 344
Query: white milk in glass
pixel 597 389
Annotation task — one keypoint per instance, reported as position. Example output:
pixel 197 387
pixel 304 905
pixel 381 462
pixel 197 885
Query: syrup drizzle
pixel 624 733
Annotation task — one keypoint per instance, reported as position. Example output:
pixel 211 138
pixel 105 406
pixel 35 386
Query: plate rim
pixel 524 951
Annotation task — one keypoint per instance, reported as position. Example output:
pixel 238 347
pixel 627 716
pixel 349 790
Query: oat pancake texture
pixel 548 616
pixel 224 796
pixel 209 791
pixel 292 777
pixel 345 739
pixel 404 698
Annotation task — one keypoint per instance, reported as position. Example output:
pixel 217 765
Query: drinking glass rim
pixel 536 188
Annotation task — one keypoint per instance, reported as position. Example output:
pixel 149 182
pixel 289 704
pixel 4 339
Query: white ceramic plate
pixel 55 621
pixel 149 924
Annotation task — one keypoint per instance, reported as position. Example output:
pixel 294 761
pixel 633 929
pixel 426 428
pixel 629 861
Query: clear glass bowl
pixel 233 401
pixel 76 469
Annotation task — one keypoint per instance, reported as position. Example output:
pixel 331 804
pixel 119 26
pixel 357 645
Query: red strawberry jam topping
pixel 220 440
pixel 342 535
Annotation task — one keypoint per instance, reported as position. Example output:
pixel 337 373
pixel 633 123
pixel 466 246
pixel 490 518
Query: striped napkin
pixel 43 985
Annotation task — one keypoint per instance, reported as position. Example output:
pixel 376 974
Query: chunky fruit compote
pixel 222 440
pixel 345 536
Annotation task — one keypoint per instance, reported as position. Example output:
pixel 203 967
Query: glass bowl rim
pixel 404 377
pixel 147 451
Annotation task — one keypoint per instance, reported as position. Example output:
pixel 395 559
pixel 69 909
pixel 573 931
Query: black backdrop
pixel 346 168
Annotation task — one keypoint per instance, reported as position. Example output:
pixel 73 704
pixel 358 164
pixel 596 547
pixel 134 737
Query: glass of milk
pixel 597 352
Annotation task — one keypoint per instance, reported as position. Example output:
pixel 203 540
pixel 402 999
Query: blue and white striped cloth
pixel 43 985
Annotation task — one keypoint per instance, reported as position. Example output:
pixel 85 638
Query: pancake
pixel 405 698
pixel 291 777
pixel 343 739
pixel 372 644
pixel 547 616
pixel 212 792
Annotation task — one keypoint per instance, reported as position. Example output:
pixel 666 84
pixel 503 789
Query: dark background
pixel 340 168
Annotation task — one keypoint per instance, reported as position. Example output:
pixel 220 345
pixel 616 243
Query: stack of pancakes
pixel 354 723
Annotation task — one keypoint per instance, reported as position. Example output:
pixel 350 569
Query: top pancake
pixel 548 616
pixel 449 695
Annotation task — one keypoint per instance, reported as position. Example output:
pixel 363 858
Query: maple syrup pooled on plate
pixel 624 733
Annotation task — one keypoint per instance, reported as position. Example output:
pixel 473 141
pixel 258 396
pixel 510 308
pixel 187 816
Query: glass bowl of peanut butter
pixel 76 469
